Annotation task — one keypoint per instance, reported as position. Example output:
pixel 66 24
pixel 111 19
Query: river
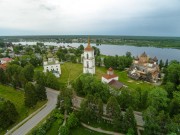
pixel 107 49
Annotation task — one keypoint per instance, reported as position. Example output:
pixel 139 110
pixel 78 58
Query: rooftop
pixel 116 84
pixel 109 76
pixel 88 48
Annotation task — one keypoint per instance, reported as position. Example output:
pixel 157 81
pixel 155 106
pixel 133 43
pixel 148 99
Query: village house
pixel 5 60
pixel 111 79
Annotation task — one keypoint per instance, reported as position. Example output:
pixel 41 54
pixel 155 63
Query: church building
pixel 88 59
pixel 52 65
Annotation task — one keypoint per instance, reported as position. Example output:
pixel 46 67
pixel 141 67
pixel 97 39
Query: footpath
pixel 100 130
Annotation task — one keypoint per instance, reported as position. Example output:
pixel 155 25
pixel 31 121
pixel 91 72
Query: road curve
pixel 32 122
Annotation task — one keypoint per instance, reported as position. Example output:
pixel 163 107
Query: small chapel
pixel 88 59
pixel 112 79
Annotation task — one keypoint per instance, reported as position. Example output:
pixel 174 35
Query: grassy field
pixel 17 97
pixel 70 71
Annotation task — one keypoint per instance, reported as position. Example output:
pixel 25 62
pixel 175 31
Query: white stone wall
pixel 89 62
pixel 55 67
pixel 104 80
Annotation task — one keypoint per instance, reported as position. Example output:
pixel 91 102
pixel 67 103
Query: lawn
pixel 132 84
pixel 70 71
pixel 84 131
pixel 17 97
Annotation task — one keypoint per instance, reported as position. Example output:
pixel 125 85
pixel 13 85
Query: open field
pixel 70 72
pixel 17 97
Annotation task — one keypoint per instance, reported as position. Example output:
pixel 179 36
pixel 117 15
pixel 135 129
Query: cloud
pixel 130 17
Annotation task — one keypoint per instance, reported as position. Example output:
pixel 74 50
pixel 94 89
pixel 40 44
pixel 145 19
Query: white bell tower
pixel 88 59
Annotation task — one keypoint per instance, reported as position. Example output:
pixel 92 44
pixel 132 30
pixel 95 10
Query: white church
pixel 52 65
pixel 88 59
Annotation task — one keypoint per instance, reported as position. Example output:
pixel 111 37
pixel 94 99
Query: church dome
pixel 88 48
pixel 50 55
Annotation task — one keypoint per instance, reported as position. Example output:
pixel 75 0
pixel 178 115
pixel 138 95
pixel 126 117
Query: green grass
pixel 54 129
pixel 132 84
pixel 70 71
pixel 17 98
pixel 84 131
pixel 40 68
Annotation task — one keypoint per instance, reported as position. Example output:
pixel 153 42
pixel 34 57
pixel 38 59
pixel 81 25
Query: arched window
pixel 87 56
pixel 87 64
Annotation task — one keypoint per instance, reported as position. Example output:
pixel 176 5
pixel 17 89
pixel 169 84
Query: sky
pixel 90 17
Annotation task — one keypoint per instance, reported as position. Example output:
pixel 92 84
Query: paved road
pixel 32 122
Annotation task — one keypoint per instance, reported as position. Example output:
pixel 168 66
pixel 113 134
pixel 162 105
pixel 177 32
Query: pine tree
pixel 30 95
pixel 40 92
pixel 129 120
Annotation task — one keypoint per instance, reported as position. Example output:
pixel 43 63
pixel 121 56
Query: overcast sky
pixel 90 17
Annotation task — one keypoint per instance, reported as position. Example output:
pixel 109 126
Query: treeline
pixel 91 111
pixel 8 114
pixel 18 76
pixel 118 62
pixel 74 54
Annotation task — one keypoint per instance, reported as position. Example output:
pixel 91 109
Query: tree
pixel 161 64
pixel 91 108
pixel 141 96
pixel 8 113
pixel 2 76
pixel 113 107
pixel 170 87
pixel 40 92
pixel 126 98
pixel 113 110
pixel 158 122
pixel 149 116
pixel 64 130
pixel 40 78
pixel 128 54
pixel 130 121
pixel 157 98
pixel 72 121
pixel 64 99
pixel 175 104
pixel 173 73
pixel 29 72
pixel 166 64
pixel 30 95
pixel 52 81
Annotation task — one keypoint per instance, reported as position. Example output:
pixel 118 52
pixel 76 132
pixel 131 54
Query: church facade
pixel 88 59
pixel 52 64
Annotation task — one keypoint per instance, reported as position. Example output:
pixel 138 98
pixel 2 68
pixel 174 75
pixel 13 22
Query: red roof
pixel 88 48
pixel 3 66
pixel 6 59
pixel 109 76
